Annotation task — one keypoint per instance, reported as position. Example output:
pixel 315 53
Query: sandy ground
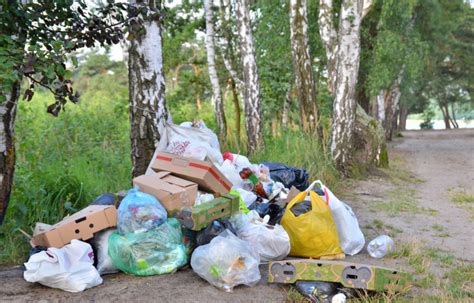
pixel 442 160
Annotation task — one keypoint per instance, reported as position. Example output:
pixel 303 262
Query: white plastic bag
pixel 105 264
pixel 203 197
pixel 194 142
pixel 351 237
pixel 230 172
pixel 69 268
pixel 226 262
pixel 271 242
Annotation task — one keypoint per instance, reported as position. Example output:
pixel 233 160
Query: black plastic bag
pixel 213 230
pixel 288 175
pixel 104 199
pixel 273 210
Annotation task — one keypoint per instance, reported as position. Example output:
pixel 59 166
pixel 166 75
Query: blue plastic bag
pixel 139 212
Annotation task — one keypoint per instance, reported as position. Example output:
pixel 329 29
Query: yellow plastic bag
pixel 312 234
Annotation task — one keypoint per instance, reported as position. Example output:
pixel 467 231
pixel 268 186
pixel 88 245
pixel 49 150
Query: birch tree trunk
pixel 343 53
pixel 392 104
pixel 7 146
pixel 304 78
pixel 216 89
pixel 251 88
pixel 148 111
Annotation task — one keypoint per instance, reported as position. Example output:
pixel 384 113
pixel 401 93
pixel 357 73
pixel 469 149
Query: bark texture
pixel 251 88
pixel 304 78
pixel 343 52
pixel 7 146
pixel 369 140
pixel 402 117
pixel 147 88
pixel 216 88
pixel 392 103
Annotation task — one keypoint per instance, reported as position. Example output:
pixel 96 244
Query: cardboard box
pixel 204 173
pixel 81 226
pixel 200 216
pixel 173 193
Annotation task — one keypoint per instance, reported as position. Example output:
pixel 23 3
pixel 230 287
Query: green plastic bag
pixel 154 252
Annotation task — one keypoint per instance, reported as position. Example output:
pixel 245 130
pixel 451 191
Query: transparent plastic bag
pixel 105 265
pixel 226 262
pixel 69 268
pixel 139 212
pixel 154 252
pixel 271 242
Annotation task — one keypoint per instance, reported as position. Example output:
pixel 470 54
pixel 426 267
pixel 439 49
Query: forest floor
pixel 425 201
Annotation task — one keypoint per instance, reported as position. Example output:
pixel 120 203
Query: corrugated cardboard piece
pixel 173 193
pixel 204 173
pixel 81 226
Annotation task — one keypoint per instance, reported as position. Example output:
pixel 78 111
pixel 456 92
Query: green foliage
pixel 37 36
pixel 64 163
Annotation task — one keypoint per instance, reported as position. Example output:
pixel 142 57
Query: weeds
pixel 463 199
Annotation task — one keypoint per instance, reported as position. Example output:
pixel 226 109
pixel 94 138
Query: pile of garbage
pixel 221 214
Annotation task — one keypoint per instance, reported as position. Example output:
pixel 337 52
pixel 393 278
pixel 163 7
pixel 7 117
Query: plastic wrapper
pixel 230 172
pixel 154 252
pixel 271 242
pixel 69 268
pixel 321 291
pixel 205 236
pixel 288 175
pixel 100 243
pixel 226 262
pixel 139 212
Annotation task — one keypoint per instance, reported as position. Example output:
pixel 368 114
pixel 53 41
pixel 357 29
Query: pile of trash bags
pixel 280 214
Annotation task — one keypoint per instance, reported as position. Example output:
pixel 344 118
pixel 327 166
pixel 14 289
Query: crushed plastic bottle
pixel 380 246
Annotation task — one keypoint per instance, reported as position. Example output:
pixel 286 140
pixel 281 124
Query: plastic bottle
pixel 380 246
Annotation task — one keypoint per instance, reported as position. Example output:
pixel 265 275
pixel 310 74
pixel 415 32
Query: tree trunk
pixel 148 111
pixel 198 97
pixel 302 66
pixel 392 101
pixel 286 104
pixel 343 54
pixel 216 89
pixel 446 117
pixel 402 123
pixel 7 146
pixel 454 122
pixel 251 88
pixel 235 100
pixel 378 109
pixel 329 38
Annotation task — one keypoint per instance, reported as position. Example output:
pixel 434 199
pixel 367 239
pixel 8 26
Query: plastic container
pixel 380 246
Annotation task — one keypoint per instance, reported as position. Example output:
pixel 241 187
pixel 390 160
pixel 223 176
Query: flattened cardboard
pixel 81 226
pixel 293 193
pixel 173 193
pixel 204 173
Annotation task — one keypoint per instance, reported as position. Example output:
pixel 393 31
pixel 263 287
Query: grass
pixel 402 200
pixel 463 199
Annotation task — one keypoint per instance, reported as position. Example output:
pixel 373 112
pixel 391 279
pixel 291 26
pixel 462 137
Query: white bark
pixel 329 38
pixel 343 52
pixel 304 79
pixel 216 89
pixel 380 106
pixel 148 111
pixel 251 89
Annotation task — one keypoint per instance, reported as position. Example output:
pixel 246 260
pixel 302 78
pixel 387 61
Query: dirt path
pixel 413 202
